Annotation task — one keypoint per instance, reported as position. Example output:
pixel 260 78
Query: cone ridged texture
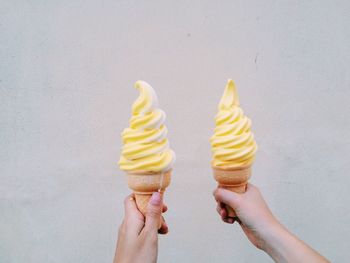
pixel 145 183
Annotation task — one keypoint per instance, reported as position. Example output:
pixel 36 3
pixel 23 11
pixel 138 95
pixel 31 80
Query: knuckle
pixel 153 212
pixel 217 196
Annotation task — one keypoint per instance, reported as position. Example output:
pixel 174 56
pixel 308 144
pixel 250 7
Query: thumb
pixel 227 197
pixel 154 211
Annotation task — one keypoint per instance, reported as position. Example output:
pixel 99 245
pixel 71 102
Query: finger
pixel 164 227
pixel 221 209
pixel 218 209
pixel 223 212
pixel 214 192
pixel 225 218
pixel 228 220
pixel 163 230
pixel 222 205
pixel 227 197
pixel 154 211
pixel 130 207
pixel 165 208
pixel 129 204
pixel 134 220
pixel 236 219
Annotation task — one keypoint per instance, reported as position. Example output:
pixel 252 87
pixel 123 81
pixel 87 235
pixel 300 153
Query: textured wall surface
pixel 67 70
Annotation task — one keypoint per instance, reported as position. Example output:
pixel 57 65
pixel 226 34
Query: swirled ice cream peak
pixel 233 143
pixel 145 143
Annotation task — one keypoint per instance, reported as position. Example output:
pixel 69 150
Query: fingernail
pixel 156 198
pixel 230 220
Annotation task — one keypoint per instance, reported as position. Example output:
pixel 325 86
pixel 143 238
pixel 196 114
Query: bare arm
pixel 262 228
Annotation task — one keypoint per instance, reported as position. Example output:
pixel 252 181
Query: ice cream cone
pixel 144 183
pixel 146 148
pixel 233 179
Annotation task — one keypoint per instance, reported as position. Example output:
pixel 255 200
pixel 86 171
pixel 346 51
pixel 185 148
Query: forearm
pixel 283 246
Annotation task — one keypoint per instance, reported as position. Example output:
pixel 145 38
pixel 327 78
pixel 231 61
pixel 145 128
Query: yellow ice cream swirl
pixel 233 143
pixel 145 143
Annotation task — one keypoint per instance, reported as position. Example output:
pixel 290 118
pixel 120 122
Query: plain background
pixel 67 70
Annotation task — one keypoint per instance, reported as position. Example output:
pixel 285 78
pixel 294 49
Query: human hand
pixel 138 235
pixel 262 228
pixel 252 212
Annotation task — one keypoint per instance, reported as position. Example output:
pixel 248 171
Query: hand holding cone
pixel 233 144
pixel 146 156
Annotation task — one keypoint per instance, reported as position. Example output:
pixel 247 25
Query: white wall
pixel 67 70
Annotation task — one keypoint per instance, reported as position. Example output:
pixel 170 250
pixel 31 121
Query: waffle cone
pixel 234 179
pixel 144 183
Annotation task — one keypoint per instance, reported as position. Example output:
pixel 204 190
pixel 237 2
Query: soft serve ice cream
pixel 145 143
pixel 233 143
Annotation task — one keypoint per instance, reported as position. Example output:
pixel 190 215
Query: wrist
pixel 283 246
pixel 272 237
